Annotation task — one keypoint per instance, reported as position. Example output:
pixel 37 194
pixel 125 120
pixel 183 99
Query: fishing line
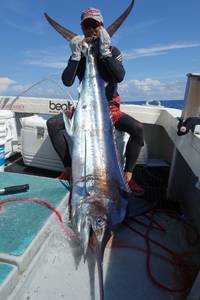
pixel 65 91
pixel 48 78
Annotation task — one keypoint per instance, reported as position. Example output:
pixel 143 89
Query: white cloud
pixel 146 24
pixel 156 50
pixel 50 86
pixel 17 89
pixel 48 63
pixel 10 87
pixel 148 89
pixel 135 89
pixel 53 58
pixel 5 83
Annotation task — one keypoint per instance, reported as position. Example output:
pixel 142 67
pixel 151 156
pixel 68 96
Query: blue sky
pixel 160 43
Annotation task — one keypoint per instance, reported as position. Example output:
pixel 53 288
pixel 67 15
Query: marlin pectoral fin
pixel 68 124
pixel 85 236
pixel 66 33
pixel 117 23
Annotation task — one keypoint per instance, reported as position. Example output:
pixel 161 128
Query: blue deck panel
pixel 21 221
pixel 5 271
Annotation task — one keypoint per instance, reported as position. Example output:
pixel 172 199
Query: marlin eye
pixel 100 221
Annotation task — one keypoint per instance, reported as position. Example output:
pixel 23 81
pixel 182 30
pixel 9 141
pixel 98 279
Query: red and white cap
pixel 92 13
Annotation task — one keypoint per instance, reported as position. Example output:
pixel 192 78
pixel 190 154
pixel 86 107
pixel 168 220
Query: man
pixel 109 64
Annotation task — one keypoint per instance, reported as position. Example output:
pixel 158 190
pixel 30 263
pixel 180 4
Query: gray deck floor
pixel 59 271
pixel 61 274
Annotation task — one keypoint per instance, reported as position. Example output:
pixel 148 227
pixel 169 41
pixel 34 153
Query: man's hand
pixel 76 46
pixel 104 43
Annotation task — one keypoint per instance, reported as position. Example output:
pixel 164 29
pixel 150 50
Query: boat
pixel 149 257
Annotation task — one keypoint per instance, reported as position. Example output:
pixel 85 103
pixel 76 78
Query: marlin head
pixel 95 225
pixel 98 215
pixel 101 233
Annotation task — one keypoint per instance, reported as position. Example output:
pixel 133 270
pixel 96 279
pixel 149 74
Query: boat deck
pixel 37 261
pixel 24 224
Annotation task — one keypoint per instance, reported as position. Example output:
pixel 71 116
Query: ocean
pixel 167 103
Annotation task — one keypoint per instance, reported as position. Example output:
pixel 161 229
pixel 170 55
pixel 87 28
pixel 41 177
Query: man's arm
pixel 71 70
pixel 69 73
pixel 110 57
pixel 114 65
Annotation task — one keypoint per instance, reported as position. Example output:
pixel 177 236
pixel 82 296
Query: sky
pixel 159 41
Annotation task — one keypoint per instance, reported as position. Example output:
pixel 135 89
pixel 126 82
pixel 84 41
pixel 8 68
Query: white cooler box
pixel 37 150
pixel 8 124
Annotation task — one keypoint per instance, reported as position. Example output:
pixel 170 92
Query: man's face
pixel 90 28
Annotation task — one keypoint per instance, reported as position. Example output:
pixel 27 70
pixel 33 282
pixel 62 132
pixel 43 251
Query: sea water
pixel 178 104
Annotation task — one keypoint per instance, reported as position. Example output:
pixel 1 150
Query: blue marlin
pixel 98 202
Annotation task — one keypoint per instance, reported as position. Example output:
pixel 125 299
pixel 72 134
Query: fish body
pixel 98 195
pixel 97 201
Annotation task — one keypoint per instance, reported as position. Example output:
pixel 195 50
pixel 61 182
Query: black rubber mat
pixel 154 180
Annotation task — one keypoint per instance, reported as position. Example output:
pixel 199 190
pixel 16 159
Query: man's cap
pixel 92 13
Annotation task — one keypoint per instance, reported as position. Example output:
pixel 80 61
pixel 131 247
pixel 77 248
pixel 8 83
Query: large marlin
pixel 97 201
pixel 98 194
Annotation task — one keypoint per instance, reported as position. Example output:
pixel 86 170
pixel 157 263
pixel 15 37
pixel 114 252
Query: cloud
pixel 156 50
pixel 11 87
pixel 141 27
pixel 49 87
pixel 134 89
pixel 17 89
pixel 148 89
pixel 48 63
pixel 47 58
pixel 146 24
pixel 5 84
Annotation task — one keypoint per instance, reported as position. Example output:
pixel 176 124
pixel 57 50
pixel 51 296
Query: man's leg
pixel 56 130
pixel 136 141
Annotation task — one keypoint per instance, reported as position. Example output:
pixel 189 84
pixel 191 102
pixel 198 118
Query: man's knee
pixel 55 123
pixel 50 124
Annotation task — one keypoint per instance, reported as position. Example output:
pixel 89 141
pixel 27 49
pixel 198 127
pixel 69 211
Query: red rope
pixel 178 261
pixel 41 202
pixel 148 264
